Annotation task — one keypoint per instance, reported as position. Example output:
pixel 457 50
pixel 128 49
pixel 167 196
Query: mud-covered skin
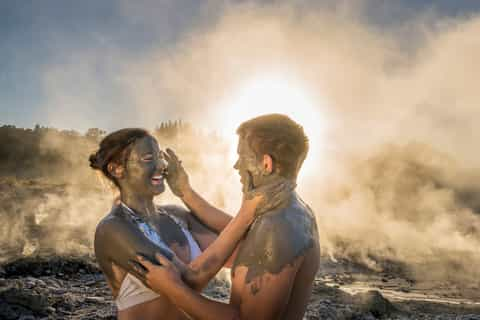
pixel 144 162
pixel 276 239
pixel 248 166
pixel 279 236
pixel 275 192
pixel 274 189
pixel 118 240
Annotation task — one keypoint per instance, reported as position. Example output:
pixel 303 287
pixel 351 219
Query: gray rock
pixel 25 298
pixel 373 302
pixel 95 299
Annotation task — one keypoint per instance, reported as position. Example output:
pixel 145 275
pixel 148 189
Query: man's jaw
pixel 246 180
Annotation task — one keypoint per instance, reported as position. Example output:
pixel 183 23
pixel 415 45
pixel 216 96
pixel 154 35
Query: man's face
pixel 145 167
pixel 249 168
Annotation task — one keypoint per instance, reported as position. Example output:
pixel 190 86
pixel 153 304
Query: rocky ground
pixel 73 288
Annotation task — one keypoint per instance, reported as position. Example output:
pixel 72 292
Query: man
pixel 276 262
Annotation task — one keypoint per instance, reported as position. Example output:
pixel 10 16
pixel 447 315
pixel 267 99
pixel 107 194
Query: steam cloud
pixel 400 156
pixel 397 178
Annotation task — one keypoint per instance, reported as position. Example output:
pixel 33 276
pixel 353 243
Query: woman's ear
pixel 115 170
pixel 267 164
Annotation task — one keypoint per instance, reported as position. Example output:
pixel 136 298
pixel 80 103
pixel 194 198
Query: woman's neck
pixel 140 204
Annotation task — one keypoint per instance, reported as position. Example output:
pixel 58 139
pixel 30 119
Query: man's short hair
pixel 280 137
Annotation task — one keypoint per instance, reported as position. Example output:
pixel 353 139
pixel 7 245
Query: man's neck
pixel 275 178
pixel 268 179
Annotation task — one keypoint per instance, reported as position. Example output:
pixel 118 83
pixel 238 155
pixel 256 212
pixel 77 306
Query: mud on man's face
pixel 145 168
pixel 250 168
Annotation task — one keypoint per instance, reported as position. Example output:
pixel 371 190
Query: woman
pixel 132 160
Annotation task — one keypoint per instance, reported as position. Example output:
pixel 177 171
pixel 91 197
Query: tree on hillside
pixel 95 134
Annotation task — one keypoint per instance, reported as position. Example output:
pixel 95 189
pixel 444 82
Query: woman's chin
pixel 158 189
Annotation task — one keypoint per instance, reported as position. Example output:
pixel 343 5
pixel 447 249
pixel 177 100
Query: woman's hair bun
pixel 94 161
pixel 111 149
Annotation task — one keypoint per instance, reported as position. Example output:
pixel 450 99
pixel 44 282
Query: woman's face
pixel 145 168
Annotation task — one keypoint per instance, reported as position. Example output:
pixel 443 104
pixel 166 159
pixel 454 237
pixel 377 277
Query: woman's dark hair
pixel 116 148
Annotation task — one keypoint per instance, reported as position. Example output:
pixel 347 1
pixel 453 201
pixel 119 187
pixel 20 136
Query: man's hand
pixel 269 196
pixel 177 177
pixel 160 276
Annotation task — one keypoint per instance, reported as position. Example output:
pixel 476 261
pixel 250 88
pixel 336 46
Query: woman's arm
pixel 178 181
pixel 211 216
pixel 201 270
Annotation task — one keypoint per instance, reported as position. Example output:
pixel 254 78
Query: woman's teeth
pixel 157 179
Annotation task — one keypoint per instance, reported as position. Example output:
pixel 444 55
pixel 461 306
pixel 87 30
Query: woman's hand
pixel 160 276
pixel 177 177
pixel 273 194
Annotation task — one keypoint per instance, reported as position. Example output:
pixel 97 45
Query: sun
pixel 275 94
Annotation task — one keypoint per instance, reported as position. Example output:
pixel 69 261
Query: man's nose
pixel 235 166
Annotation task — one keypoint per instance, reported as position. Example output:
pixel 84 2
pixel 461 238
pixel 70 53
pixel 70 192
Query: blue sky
pixel 36 36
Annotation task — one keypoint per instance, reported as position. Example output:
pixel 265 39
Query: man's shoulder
pixel 277 239
pixel 297 217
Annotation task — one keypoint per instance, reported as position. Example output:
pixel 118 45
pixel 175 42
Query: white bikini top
pixel 133 291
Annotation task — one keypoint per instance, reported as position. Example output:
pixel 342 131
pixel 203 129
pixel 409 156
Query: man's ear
pixel 115 170
pixel 267 164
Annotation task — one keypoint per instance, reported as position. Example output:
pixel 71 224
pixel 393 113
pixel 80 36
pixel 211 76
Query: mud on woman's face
pixel 145 167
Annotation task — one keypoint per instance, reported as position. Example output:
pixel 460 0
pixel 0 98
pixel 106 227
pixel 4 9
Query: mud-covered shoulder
pixel 108 225
pixel 277 239
pixel 105 234
pixel 115 234
pixel 118 240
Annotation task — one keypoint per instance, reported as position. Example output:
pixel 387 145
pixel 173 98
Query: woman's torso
pixel 173 230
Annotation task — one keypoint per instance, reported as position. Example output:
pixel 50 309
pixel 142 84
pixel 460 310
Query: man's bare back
pixel 276 264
